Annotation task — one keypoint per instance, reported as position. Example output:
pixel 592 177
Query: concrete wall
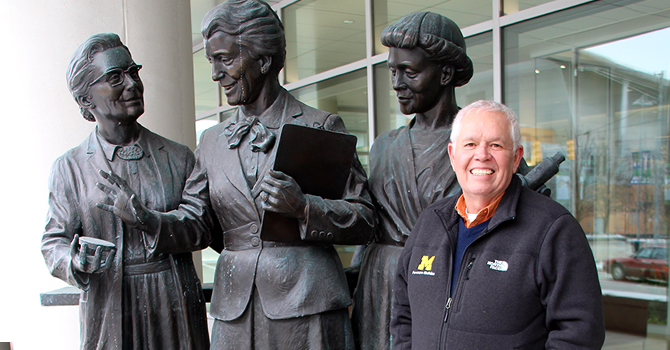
pixel 40 121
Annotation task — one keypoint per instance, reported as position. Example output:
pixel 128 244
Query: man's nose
pixel 482 152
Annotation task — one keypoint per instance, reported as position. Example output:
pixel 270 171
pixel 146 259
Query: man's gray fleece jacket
pixel 529 281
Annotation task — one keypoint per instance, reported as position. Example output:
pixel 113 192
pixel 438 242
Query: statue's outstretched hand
pixel 281 194
pixel 122 201
pixel 85 263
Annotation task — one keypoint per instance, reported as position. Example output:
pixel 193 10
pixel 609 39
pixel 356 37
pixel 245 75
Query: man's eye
pixel 469 145
pixel 496 146
pixel 227 60
pixel 411 74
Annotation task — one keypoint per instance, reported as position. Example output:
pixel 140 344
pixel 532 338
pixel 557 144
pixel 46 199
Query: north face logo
pixel 498 265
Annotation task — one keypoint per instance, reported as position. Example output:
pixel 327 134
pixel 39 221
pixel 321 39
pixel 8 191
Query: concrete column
pixel 40 121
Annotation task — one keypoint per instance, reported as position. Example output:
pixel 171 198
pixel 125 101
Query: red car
pixel 650 263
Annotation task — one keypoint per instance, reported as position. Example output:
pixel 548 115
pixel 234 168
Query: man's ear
pixel 266 64
pixel 447 75
pixel 518 154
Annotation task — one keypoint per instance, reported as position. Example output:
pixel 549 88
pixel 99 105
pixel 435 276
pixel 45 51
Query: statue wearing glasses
pixel 136 294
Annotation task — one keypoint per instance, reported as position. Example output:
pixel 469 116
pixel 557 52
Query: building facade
pixel 589 79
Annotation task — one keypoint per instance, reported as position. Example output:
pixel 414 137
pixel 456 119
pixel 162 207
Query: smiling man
pixel 498 266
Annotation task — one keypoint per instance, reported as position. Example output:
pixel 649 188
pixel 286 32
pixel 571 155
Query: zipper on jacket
pixel 443 331
pixel 468 268
pixel 447 307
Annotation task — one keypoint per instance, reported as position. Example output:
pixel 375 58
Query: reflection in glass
pixel 322 35
pixel 198 10
pixel 480 87
pixel 204 88
pixel 346 96
pixel 603 101
pixel 463 12
pixel 480 51
pixel 511 6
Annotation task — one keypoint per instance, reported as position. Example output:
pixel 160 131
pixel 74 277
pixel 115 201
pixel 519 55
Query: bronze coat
pixel 399 201
pixel 72 198
pixel 294 280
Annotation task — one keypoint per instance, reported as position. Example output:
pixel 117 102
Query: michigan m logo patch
pixel 426 263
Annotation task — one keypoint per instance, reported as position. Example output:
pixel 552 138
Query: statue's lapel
pixel 96 156
pixel 405 170
pixel 290 111
pixel 161 162
pixel 231 166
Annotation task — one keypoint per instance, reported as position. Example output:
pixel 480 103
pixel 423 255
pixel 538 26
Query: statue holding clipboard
pixel 286 294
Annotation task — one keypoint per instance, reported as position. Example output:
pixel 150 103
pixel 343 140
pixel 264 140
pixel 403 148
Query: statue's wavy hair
pixel 255 25
pixel 437 35
pixel 79 73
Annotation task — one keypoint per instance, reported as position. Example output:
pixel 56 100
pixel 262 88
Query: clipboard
pixel 320 162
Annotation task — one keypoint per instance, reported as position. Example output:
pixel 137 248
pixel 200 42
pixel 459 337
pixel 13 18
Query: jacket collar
pixel 506 209
pixel 151 144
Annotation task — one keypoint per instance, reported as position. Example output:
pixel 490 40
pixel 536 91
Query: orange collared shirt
pixel 483 214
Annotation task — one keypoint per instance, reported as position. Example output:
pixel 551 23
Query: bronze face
pixel 234 68
pixel 117 94
pixel 416 79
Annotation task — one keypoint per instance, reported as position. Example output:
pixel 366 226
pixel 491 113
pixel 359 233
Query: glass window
pixel 322 35
pixel 346 96
pixel 209 259
pixel 480 51
pixel 592 83
pixel 205 88
pixel 511 6
pixel 198 10
pixel 480 87
pixel 463 12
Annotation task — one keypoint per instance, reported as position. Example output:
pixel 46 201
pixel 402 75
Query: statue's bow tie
pixel 262 138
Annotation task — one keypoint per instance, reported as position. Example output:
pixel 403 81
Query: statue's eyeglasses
pixel 116 76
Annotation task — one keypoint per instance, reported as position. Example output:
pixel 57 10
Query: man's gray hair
pixel 79 73
pixel 488 106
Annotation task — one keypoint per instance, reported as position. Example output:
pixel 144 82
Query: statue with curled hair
pixel 266 295
pixel 409 166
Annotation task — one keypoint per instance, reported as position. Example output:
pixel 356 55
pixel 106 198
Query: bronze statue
pixel 138 291
pixel 409 166
pixel 267 294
